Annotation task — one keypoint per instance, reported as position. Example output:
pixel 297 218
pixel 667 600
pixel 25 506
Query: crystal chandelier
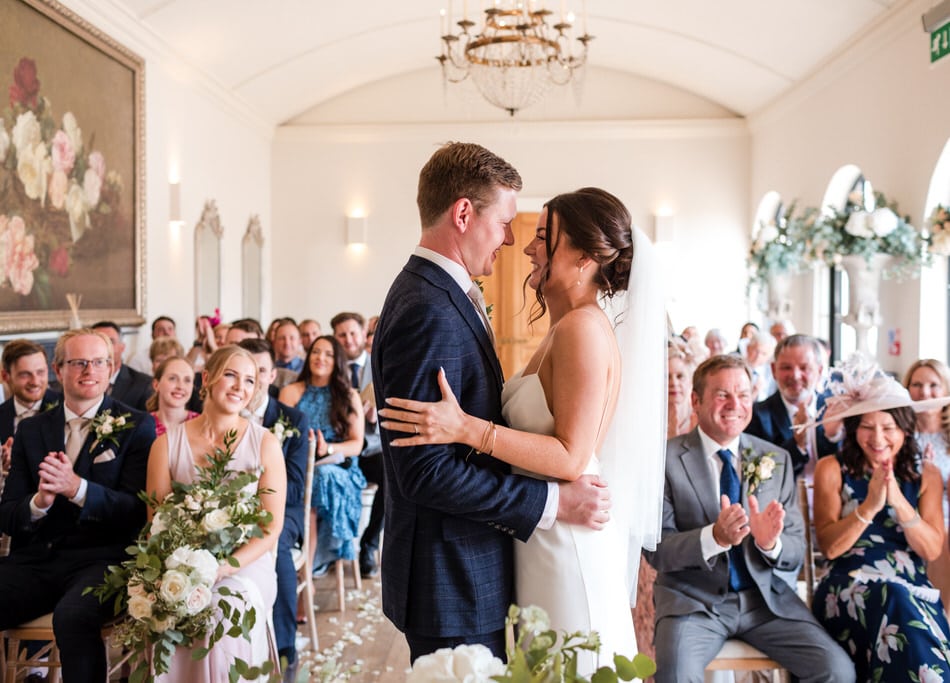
pixel 516 55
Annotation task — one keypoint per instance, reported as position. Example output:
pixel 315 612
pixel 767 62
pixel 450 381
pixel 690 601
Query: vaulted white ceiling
pixel 283 57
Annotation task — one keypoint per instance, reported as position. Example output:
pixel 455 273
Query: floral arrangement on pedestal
pixel 54 187
pixel 938 226
pixel 165 595
pixel 535 657
pixel 779 246
pixel 881 231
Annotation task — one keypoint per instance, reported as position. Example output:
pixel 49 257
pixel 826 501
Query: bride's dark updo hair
pixel 597 223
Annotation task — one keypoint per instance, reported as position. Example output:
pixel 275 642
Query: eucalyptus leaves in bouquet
pixel 779 246
pixel 165 593
pixel 860 231
pixel 536 656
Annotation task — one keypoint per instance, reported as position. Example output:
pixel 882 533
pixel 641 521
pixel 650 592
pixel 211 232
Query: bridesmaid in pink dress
pixel 230 382
pixel 173 383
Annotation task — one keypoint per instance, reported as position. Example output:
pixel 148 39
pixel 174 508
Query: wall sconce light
pixel 664 227
pixel 174 204
pixel 356 230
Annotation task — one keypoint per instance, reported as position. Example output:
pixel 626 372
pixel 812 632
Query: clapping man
pixel 71 504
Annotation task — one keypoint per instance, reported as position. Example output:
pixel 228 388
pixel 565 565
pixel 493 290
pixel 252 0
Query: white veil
pixel 633 453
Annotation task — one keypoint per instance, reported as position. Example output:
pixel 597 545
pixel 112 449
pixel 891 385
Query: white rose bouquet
pixel 166 592
pixel 535 657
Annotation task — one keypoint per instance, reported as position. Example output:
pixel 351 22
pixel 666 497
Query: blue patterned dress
pixel 878 602
pixel 337 489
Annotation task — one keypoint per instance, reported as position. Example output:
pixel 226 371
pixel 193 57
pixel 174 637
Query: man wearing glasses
pixel 71 505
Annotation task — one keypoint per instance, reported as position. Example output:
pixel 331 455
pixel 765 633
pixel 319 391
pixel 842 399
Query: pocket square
pixel 104 457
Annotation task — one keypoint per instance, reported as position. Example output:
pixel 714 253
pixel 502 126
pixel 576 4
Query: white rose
pixel 140 607
pixel 534 619
pixel 768 233
pixel 92 187
pixel 198 599
pixel 857 225
pixel 883 222
pixel 135 589
pixel 71 128
pixel 181 556
pixel 33 168
pixel 78 212
pixel 4 142
pixel 468 663
pixel 766 467
pixel 215 520
pixel 162 625
pixel 191 503
pixel 119 421
pixel 105 429
pixel 204 565
pixel 58 185
pixel 175 586
pixel 158 525
pixel 279 431
pixel 26 132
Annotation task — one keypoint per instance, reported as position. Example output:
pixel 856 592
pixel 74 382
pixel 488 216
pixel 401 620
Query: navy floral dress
pixel 337 489
pixel 878 602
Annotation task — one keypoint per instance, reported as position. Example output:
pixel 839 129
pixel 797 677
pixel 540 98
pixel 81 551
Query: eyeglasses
pixel 83 363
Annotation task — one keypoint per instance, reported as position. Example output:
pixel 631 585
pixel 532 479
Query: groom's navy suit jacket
pixel 451 513
pixel 112 514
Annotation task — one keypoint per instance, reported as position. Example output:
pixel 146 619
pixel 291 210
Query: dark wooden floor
pixel 360 642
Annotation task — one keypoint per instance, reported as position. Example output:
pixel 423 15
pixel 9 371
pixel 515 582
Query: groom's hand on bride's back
pixel 585 502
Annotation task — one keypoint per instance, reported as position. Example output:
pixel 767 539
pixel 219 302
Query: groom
pixel 451 512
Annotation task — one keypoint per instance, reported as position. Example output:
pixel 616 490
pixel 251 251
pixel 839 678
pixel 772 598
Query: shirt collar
pixel 793 409
pixel 359 360
pixel 91 413
pixel 711 447
pixel 20 408
pixel 455 270
pixel 262 408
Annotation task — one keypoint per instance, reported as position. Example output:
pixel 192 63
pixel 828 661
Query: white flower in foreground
pixel 205 566
pixel 534 619
pixel 464 664
pixel 178 558
pixel 140 607
pixel 175 586
pixel 216 520
pixel 198 599
pixel 883 221
pixel 857 225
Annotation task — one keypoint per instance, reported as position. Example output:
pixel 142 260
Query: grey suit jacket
pixel 686 583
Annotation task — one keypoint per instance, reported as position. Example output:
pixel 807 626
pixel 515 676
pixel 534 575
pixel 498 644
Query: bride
pixel 561 408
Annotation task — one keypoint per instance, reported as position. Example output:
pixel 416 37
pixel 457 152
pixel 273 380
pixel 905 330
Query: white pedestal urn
pixel 779 305
pixel 864 305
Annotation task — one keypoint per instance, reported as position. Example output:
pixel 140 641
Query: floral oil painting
pixel 71 170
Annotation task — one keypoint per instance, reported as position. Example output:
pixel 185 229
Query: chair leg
pixel 340 588
pixel 311 615
pixel 357 577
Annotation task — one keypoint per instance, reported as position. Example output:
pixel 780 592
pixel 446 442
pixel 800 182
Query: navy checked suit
pixel 450 514
pixel 295 458
pixel 53 559
pixel 8 412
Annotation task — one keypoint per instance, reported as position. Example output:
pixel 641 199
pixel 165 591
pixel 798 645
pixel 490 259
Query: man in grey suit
pixel 726 540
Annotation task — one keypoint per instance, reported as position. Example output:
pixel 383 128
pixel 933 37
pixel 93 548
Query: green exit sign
pixel 940 43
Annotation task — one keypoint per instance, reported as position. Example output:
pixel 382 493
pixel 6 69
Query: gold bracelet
pixel 494 434
pixel 857 513
pixel 912 522
pixel 483 448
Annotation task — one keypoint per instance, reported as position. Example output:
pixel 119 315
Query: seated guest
pixel 294 429
pixel 879 520
pixel 163 327
pixel 929 378
pixel 71 505
pixel 716 342
pixel 287 347
pixel 335 413
pixel 174 383
pixel 797 370
pixel 759 351
pixel 723 545
pixel 25 371
pixel 309 331
pixel 127 386
pixel 781 329
pixel 162 348
pixel 749 330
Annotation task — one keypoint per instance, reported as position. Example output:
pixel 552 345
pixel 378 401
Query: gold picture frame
pixel 72 170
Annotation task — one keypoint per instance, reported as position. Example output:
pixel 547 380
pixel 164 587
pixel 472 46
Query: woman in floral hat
pixel 879 520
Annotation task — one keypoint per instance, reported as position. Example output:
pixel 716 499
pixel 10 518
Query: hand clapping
pixel 732 525
pixel 766 526
pixel 56 478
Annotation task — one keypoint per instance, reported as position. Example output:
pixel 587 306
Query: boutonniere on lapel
pixel 108 427
pixel 757 468
pixel 488 307
pixel 283 429
pixel 48 406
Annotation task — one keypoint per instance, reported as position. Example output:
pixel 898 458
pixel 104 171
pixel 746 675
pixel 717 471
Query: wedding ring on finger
pixel 416 427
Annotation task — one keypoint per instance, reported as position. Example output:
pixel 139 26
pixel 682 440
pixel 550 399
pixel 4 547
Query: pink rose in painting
pixel 97 163
pixel 19 257
pixel 25 86
pixel 59 261
pixel 64 156
pixel 58 185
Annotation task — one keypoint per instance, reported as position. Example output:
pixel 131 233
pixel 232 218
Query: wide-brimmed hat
pixel 859 386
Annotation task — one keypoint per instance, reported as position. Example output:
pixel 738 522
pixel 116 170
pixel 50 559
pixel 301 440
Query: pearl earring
pixel 580 270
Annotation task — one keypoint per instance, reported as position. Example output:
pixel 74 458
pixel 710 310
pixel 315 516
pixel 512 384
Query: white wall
pixel 882 106
pixel 697 168
pixel 219 150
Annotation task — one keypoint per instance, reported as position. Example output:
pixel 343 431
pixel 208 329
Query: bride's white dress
pixel 576 574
